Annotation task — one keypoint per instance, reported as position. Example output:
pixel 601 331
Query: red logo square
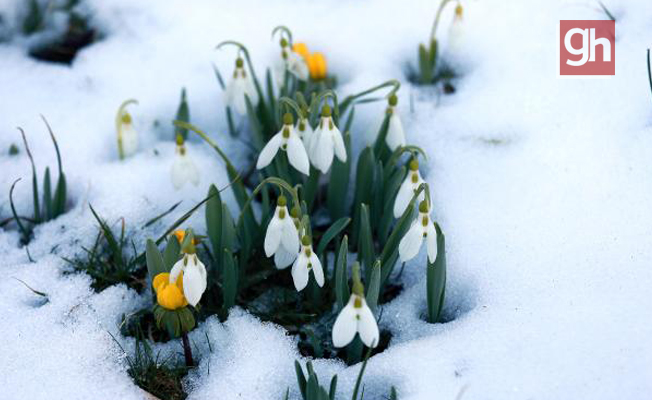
pixel 587 48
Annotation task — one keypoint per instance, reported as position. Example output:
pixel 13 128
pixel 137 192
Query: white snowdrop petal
pixel 284 258
pixel 317 269
pixel 300 273
pixel 431 242
pixel 273 236
pixel 177 173
pixel 307 135
pixel 129 139
pixel 269 151
pixel 193 284
pixel 367 326
pixel 403 197
pixel 323 151
pixel 345 326
pixel 297 154
pixel 411 242
pixel 175 271
pixel 190 170
pixel 395 133
pixel 250 90
pixel 338 144
pixel 290 235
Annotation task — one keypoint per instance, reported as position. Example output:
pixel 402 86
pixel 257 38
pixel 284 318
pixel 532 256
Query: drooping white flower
pixel 356 317
pixel 282 237
pixel 127 135
pixel 305 131
pixel 456 32
pixel 286 139
pixel 421 229
pixel 194 277
pixel 407 189
pixel 240 86
pixel 326 142
pixel 183 168
pixel 395 133
pixel 291 62
pixel 306 261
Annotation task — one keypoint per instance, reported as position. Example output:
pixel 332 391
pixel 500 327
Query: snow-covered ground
pixel 541 184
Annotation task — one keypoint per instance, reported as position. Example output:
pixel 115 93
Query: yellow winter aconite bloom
pixel 302 50
pixel 169 296
pixel 181 234
pixel 317 65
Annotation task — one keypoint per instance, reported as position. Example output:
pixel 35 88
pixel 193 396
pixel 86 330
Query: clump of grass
pixel 54 202
pixel 112 259
pixel 159 376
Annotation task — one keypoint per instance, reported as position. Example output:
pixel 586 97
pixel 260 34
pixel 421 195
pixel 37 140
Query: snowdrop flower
pixel 292 62
pixel 127 136
pixel 456 31
pixel 422 228
pixel 183 168
pixel 317 66
pixel 395 135
pixel 192 273
pixel 305 131
pixel 282 237
pixel 306 261
pixel 240 86
pixel 286 139
pixel 356 317
pixel 409 186
pixel 326 142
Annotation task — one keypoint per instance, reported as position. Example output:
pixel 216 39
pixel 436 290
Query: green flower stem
pixel 118 123
pixel 283 29
pixel 396 85
pixel 433 31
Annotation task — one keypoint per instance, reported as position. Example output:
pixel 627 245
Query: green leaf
pixel 155 264
pixel 393 395
pixel 47 195
pixel 432 54
pixel 363 186
pixel 183 114
pixel 339 183
pixel 162 215
pixel 230 281
pixel 425 67
pixel 436 279
pixel 335 229
pixel 342 291
pixel 186 319
pixel 59 204
pixel 365 242
pixel 37 207
pixel 392 185
pixel 380 144
pixel 257 133
pixel 312 389
pixel 171 254
pixel 301 379
pixel 214 221
pixel 311 186
pixel 25 233
pixel 373 289
pixel 360 375
pixel 333 388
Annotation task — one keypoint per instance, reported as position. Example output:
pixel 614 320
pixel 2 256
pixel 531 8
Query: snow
pixel 540 184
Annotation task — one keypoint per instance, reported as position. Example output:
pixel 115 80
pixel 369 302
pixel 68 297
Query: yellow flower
pixel 181 234
pixel 302 50
pixel 317 66
pixel 169 296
